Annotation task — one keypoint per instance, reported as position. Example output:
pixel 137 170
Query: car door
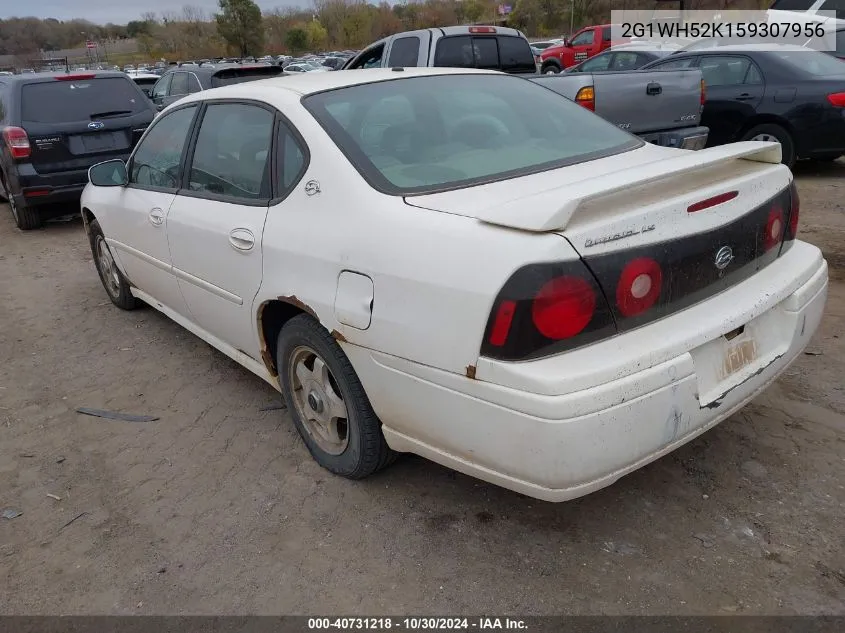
pixel 160 91
pixel 582 44
pixel 216 223
pixel 735 88
pixel 135 223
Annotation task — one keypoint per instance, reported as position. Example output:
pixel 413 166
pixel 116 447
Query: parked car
pixel 586 43
pixel 755 92
pixel 660 106
pixel 622 57
pixel 335 63
pixel 175 84
pixel 55 126
pixel 489 47
pixel 631 297
pixel 145 80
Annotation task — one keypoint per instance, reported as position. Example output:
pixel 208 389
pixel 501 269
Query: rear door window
pixel 179 84
pixel 59 101
pixel 405 52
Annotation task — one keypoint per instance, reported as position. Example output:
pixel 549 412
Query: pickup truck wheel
pixel 26 218
pixel 551 69
pixel 113 280
pixel 776 133
pixel 327 402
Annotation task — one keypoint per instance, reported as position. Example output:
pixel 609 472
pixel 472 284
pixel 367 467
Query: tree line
pixel 240 28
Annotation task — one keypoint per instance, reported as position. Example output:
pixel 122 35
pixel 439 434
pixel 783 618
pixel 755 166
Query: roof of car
pixel 310 83
pixel 746 48
pixel 42 76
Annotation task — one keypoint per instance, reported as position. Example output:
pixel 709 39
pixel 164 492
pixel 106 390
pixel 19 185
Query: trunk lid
pixel 75 123
pixel 670 229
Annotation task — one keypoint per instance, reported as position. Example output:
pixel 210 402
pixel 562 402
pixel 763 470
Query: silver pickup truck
pixel 660 106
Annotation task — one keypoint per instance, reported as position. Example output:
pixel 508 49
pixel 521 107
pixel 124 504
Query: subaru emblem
pixel 724 256
pixel 96 125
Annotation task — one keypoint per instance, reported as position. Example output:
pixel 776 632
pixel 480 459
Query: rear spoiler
pixel 553 209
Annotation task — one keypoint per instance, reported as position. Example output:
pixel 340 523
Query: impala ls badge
pixel 312 187
pixel 96 125
pixel 724 256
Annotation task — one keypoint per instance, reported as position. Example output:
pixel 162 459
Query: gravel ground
pixel 218 508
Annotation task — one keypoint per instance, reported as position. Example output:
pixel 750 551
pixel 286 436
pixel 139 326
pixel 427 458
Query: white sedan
pixel 463 265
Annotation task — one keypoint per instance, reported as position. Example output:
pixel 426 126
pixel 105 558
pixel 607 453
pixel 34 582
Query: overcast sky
pixel 117 11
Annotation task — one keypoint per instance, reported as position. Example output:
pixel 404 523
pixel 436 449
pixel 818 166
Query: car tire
pixel 115 284
pixel 551 69
pixel 774 132
pixel 327 402
pixel 26 218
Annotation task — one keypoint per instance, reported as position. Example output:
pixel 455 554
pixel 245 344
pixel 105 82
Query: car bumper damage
pixel 558 441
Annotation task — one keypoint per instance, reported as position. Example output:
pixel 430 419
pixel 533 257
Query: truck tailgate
pixel 649 100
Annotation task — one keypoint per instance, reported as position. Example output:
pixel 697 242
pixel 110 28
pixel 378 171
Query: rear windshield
pixel 240 75
pixel 60 101
pixel 792 5
pixel 501 52
pixel 812 62
pixel 424 134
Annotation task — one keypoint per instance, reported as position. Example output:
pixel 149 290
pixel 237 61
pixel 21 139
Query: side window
pixel 156 160
pixel 676 64
pixel 724 70
pixel 370 58
pixel 584 38
pixel 754 75
pixel 405 52
pixel 455 52
pixel 596 64
pixel 840 43
pixel 160 89
pixel 291 159
pixel 179 84
pixel 606 33
pixel 232 152
pixel 193 83
pixel 625 61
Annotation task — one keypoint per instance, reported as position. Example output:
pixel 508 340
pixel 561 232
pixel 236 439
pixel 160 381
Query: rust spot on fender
pixel 471 371
pixel 294 300
pixel 339 337
pixel 268 362
pixel 266 357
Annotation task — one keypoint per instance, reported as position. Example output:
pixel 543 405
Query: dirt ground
pixel 218 508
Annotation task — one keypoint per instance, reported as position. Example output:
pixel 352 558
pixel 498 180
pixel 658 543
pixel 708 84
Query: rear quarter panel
pixel 435 275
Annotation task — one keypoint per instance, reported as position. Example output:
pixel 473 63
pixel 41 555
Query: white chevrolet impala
pixel 463 265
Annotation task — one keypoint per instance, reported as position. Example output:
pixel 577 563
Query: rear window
pixel 240 75
pixel 501 52
pixel 792 5
pixel 425 134
pixel 811 62
pixel 61 101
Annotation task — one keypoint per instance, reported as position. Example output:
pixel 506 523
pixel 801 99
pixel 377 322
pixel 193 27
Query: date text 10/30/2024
pixel 416 624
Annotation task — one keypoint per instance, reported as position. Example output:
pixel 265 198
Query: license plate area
pixel 729 360
pixel 94 142
pixel 98 142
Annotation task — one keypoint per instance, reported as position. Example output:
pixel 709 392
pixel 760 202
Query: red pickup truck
pixel 589 41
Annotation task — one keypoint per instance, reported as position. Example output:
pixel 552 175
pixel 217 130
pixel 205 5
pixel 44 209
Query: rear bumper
pixel 38 195
pixel 685 138
pixel 560 446
pixel 37 189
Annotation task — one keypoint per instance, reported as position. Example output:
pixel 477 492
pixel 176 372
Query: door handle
pixel 745 97
pixel 242 239
pixel 157 217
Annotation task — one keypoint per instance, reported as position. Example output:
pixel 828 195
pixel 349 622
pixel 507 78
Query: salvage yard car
pixel 463 265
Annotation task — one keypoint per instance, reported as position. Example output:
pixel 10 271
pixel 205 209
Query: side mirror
pixel 111 173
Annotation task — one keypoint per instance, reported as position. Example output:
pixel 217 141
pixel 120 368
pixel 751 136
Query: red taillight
pixel 586 97
pixel 75 77
pixel 17 141
pixel 502 323
pixel 712 202
pixel 639 286
pixel 703 93
pixel 794 212
pixel 35 193
pixel 773 230
pixel 837 99
pixel 482 29
pixel 563 307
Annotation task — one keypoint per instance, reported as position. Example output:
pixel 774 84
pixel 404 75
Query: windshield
pixel 812 62
pixel 424 134
pixel 58 101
